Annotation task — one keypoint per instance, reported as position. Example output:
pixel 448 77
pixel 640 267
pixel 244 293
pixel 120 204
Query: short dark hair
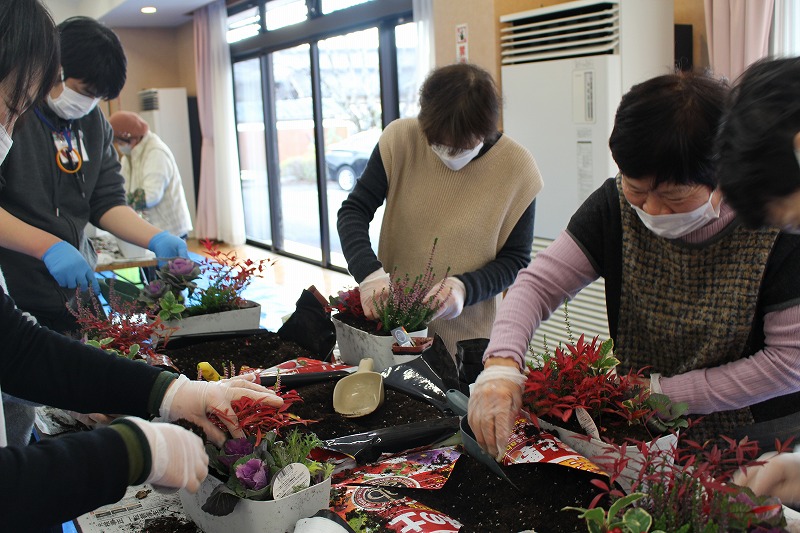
pixel 459 104
pixel 665 127
pixel 757 163
pixel 92 53
pixel 29 53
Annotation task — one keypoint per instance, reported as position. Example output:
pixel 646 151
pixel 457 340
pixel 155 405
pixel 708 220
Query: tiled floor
pixel 279 289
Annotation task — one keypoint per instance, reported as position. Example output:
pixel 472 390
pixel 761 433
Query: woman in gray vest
pixel 436 173
pixel 711 306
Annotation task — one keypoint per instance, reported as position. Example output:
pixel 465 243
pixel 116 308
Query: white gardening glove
pixel 375 287
pixel 450 293
pixel 178 456
pixel 194 400
pixel 494 403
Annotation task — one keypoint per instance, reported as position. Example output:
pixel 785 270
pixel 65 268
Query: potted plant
pixel 579 385
pixel 265 481
pixel 218 306
pixel 690 492
pixel 406 305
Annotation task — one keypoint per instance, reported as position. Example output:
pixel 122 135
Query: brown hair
pixel 459 106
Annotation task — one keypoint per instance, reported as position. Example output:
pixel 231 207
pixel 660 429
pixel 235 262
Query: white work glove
pixel 375 287
pixel 450 293
pixel 178 456
pixel 494 403
pixel 194 400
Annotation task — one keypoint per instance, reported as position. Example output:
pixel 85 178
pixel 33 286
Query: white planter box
pixel 356 344
pixel 600 453
pixel 131 251
pixel 237 320
pixel 249 516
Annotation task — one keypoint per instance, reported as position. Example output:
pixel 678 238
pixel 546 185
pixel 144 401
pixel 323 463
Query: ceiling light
pixel 148 10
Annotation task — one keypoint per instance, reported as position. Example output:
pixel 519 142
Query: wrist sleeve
pixel 162 383
pixel 140 461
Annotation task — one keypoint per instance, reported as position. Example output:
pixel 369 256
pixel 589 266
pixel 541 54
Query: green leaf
pixel 637 520
pixel 624 502
pixel 222 501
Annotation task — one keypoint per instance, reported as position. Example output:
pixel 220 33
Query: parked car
pixel 347 159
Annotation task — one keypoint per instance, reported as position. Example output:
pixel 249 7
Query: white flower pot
pixel 244 318
pixel 130 251
pixel 356 344
pixel 249 516
pixel 601 453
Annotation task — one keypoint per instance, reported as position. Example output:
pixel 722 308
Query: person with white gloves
pixel 447 174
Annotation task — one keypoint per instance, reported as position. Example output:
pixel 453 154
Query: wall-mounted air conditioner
pixel 564 71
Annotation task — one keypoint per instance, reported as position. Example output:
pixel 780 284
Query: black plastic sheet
pixel 368 446
pixel 417 379
pixel 310 326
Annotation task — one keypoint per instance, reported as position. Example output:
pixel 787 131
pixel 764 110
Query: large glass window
pixel 296 148
pixel 309 115
pixel 351 107
pixel 249 106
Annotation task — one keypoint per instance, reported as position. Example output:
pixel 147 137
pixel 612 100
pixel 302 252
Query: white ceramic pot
pixel 600 453
pixel 356 344
pixel 130 251
pixel 244 318
pixel 249 516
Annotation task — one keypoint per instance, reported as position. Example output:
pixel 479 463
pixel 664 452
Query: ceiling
pixel 171 13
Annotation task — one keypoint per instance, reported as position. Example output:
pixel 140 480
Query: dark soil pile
pixel 473 495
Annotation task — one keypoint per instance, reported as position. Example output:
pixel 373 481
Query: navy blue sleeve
pixel 356 213
pixel 497 275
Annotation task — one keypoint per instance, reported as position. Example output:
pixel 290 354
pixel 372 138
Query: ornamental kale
pixel 249 465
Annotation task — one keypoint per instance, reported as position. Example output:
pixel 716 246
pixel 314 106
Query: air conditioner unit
pixel 564 70
pixel 166 111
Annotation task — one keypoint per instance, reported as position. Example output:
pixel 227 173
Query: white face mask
pixel 677 225
pixel 458 161
pixel 71 104
pixel 5 143
pixel 124 149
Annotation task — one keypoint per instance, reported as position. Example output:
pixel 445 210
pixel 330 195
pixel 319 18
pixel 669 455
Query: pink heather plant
pixel 407 304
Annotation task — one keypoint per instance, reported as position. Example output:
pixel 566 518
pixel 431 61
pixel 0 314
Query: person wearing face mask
pixel 63 173
pixel 97 464
pixel 153 184
pixel 710 306
pixel 435 173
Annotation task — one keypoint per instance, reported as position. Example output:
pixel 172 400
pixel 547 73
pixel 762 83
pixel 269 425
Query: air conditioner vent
pixel 148 100
pixel 585 29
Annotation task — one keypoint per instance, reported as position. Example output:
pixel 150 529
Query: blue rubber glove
pixel 167 246
pixel 69 268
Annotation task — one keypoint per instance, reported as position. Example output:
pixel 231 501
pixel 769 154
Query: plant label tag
pixel 401 336
pixel 586 422
pixel 290 479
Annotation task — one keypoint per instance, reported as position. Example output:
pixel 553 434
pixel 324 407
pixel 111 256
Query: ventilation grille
pixel 587 314
pixel 576 29
pixel 148 100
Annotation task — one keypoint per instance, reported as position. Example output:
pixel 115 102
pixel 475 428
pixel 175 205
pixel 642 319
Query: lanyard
pixel 70 153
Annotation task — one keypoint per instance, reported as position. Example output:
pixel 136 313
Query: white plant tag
pixel 289 479
pixel 586 422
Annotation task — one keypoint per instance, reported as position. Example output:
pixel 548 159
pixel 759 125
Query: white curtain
pixel 738 34
pixel 786 29
pixel 426 56
pixel 220 214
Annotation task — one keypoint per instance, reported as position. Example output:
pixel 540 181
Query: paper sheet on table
pixel 131 512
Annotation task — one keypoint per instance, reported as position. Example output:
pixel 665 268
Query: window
pixel 310 105
pixel 243 25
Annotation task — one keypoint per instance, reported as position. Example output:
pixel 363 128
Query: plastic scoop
pixel 360 393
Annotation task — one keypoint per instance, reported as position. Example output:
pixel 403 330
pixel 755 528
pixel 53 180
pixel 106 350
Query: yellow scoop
pixel 360 393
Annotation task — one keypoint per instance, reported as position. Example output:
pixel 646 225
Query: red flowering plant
pixel 176 294
pixel 582 376
pixel 125 329
pixel 406 304
pixel 249 464
pixel 687 491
